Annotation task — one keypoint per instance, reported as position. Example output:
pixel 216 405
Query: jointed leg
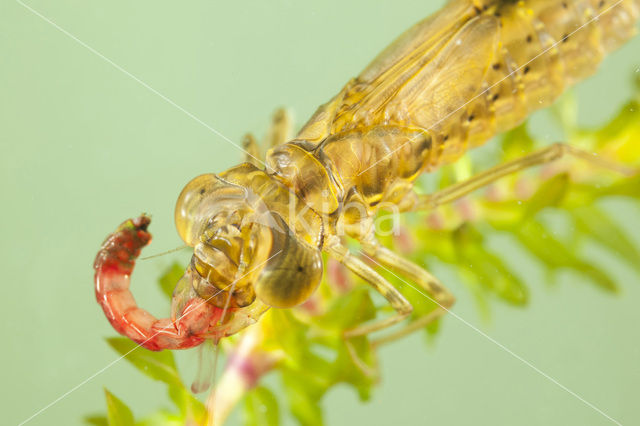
pixel 546 155
pixel 425 281
pixel 252 150
pixel 280 130
pixel 428 282
pixel 398 302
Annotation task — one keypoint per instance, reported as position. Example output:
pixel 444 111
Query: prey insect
pixel 451 82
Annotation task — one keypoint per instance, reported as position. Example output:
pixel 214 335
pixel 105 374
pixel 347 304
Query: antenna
pixel 164 252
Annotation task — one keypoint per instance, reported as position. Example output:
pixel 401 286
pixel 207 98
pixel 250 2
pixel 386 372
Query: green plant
pixel 305 345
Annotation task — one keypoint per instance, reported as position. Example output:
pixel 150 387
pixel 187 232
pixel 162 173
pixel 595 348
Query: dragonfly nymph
pixel 474 69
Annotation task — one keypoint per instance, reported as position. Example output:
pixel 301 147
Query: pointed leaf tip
pixel 118 414
pixel 157 365
pixel 169 278
pixel 261 408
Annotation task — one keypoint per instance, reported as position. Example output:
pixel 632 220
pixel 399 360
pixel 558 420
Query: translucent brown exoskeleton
pixel 475 68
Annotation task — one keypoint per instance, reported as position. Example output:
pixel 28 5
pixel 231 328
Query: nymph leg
pixel 543 156
pixel 253 154
pixel 280 129
pixel 427 284
pixel 401 305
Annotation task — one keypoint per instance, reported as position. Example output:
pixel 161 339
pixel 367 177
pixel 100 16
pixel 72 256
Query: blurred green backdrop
pixel 84 145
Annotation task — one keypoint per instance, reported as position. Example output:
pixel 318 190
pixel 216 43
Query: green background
pixel 84 146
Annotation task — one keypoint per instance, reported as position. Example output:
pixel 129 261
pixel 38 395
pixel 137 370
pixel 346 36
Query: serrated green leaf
pixel 420 300
pixel 516 143
pixel 283 331
pixel 471 281
pixel 261 408
pixel 440 245
pixel 304 400
pixel 463 168
pixel 447 176
pixel 190 407
pixel 313 369
pixel 164 418
pixel 345 369
pixel 433 327
pixel 594 223
pixel 565 111
pixel 627 187
pixel 169 278
pixel 554 254
pixel 627 119
pixel 352 309
pixel 490 271
pixel 96 420
pixel 495 275
pixel 503 214
pixel 157 365
pixel 549 194
pixel 118 414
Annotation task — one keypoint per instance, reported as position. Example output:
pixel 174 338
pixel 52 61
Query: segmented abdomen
pixel 454 80
pixel 544 47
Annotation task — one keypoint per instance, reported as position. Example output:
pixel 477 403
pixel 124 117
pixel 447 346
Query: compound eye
pixel 191 207
pixel 200 201
pixel 294 272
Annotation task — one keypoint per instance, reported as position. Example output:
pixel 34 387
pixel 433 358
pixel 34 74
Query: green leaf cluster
pixel 316 354
pixel 518 206
pixel 159 366
pixel 315 357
